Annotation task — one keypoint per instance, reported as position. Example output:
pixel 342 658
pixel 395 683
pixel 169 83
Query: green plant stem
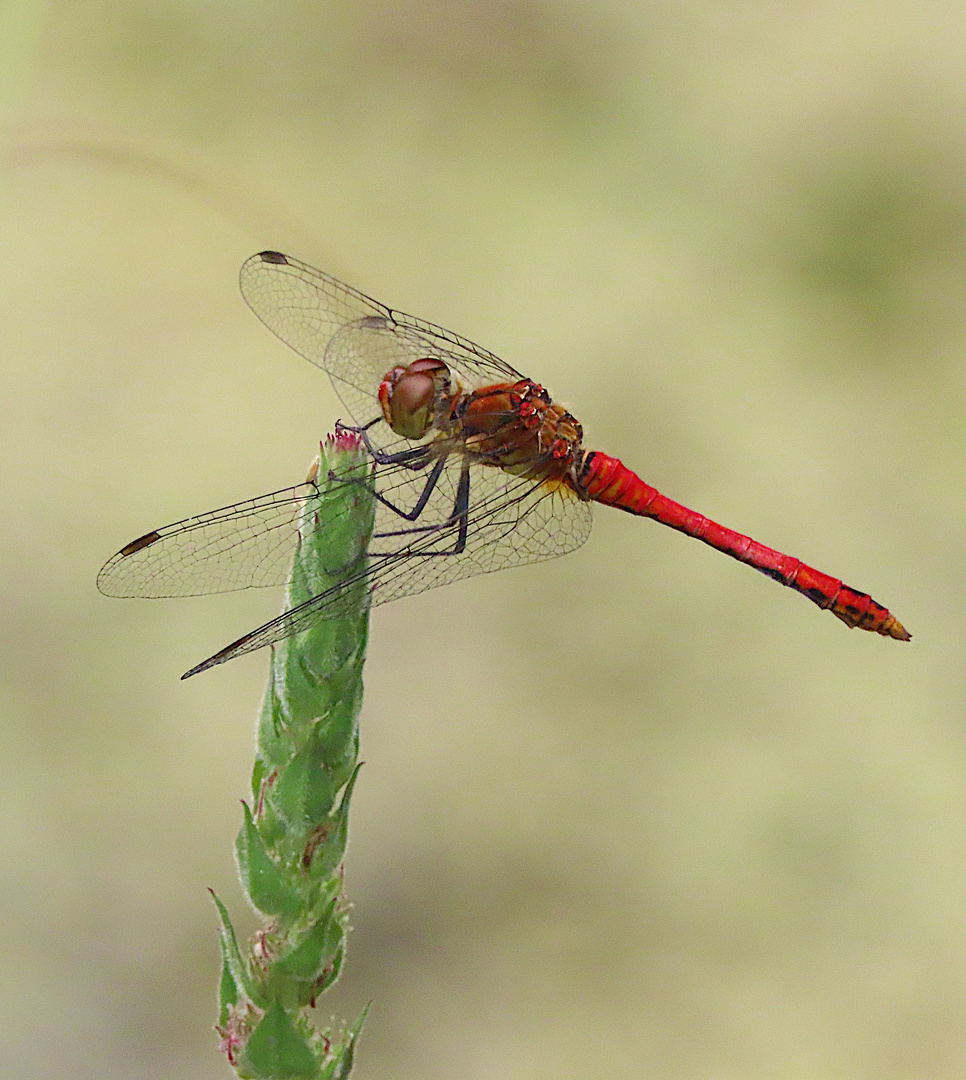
pixel 292 843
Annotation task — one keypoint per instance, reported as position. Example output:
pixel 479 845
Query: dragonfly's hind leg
pixel 416 458
pixel 459 517
pixel 409 515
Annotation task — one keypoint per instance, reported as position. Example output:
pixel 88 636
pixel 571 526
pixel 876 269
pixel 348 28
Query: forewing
pixel 249 544
pixel 310 311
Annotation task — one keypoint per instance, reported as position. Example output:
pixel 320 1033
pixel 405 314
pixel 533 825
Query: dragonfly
pixel 474 467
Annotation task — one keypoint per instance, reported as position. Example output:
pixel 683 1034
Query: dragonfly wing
pixel 509 521
pixel 307 309
pixel 249 544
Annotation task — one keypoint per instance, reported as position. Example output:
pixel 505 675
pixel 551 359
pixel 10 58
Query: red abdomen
pixel 606 480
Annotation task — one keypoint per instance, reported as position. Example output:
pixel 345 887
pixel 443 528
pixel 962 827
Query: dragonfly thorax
pixel 519 428
pixel 411 396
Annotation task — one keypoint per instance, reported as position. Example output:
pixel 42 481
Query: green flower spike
pixel 292 842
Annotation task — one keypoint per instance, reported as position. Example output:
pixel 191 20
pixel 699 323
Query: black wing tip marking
pixel 106 572
pixel 273 257
pixel 138 545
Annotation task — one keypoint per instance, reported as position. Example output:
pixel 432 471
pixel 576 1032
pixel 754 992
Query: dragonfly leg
pixel 409 515
pixel 415 458
pixel 428 488
pixel 459 517
pixel 356 429
pixel 408 457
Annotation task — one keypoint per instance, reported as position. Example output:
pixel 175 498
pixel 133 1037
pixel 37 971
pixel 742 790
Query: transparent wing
pixel 510 521
pixel 441 515
pixel 355 339
pixel 249 544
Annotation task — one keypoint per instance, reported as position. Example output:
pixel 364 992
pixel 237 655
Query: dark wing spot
pixel 273 257
pixel 142 542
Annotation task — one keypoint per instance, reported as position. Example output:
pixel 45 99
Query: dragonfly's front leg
pixel 417 457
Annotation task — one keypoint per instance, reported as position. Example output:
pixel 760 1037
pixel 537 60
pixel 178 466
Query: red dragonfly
pixel 475 468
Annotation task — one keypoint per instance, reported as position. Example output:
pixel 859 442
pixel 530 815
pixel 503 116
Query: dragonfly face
pixel 412 397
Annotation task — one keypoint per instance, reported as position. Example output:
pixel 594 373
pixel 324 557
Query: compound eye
pixel 411 405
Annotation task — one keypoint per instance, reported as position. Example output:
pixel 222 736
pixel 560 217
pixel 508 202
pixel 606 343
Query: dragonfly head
pixel 408 396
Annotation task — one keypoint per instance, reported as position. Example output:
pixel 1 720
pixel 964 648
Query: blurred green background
pixel 634 813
